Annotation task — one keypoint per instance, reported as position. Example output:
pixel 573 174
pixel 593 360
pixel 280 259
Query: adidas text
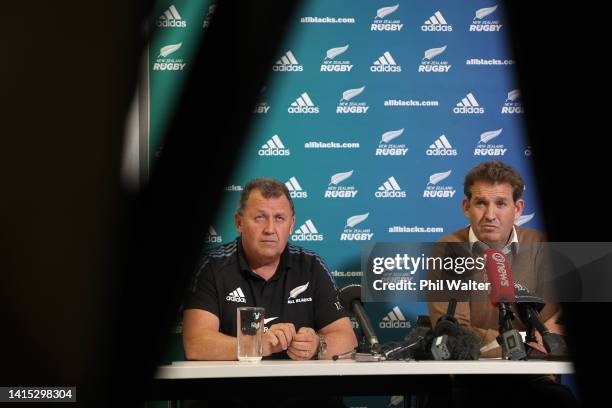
pixel 274 152
pixel 396 324
pixel 287 68
pixel 390 194
pixel 303 109
pixel 235 299
pixel 386 68
pixel 172 23
pixel 468 109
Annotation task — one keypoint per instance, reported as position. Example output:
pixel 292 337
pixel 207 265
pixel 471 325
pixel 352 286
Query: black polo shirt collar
pixel 282 267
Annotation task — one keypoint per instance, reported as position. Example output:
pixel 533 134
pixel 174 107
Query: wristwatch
pixel 322 347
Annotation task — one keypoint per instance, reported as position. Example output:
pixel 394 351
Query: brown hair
pixel 268 187
pixel 494 172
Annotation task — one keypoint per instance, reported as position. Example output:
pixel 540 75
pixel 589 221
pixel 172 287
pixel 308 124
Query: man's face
pixel 265 226
pixel 492 211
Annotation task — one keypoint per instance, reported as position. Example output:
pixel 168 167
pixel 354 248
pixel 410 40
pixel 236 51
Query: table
pixel 194 379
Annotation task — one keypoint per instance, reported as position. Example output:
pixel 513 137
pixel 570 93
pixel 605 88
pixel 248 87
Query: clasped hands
pixel 300 345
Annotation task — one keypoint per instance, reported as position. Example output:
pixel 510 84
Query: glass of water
pixel 250 321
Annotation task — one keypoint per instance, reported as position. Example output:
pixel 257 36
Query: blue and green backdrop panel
pixel 373 114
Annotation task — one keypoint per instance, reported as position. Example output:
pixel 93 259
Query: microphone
pixel 529 307
pixel 501 294
pixel 451 341
pixel 350 298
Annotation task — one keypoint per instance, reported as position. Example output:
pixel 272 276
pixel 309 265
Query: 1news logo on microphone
pixel 500 260
pixel 499 276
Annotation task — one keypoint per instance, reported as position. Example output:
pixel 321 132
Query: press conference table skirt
pixel 193 379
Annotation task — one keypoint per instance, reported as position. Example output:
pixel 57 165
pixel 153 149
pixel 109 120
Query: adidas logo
pixel 478 24
pixel 171 18
pixel 303 104
pixel 307 232
pixel 430 65
pixel 274 147
pixel 331 65
pixel 236 295
pixel 394 320
pixel 287 63
pixel 468 105
pixel 295 190
pixel 385 63
pixel 441 147
pixel 432 190
pixel 390 189
pixel 385 148
pixel 383 24
pixel 437 22
pixel 484 148
pixel 512 105
pixel 213 237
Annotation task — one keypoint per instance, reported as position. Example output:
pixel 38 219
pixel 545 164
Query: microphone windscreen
pixel 465 345
pixel 499 276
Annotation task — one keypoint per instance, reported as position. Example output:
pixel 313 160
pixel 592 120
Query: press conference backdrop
pixel 373 114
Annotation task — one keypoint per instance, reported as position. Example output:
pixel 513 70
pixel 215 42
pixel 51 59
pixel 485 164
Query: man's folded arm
pixel 202 339
pixel 339 337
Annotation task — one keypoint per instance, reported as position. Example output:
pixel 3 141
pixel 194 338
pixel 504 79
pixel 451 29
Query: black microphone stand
pixel 509 338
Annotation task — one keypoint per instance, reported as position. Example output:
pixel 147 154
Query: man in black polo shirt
pixel 303 320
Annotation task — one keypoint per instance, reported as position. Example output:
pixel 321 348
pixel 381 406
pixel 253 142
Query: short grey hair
pixel 268 187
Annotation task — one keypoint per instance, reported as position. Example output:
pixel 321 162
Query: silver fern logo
pixel 348 102
pixel 353 233
pixel 333 61
pixel 485 146
pixel 524 219
pixel 432 63
pixel 386 148
pixel 165 63
pixel 295 292
pixel 485 20
pixel 512 104
pixel 338 188
pixel 436 189
pixel 386 19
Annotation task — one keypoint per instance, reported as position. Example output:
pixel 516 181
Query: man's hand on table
pixel 304 345
pixel 278 338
